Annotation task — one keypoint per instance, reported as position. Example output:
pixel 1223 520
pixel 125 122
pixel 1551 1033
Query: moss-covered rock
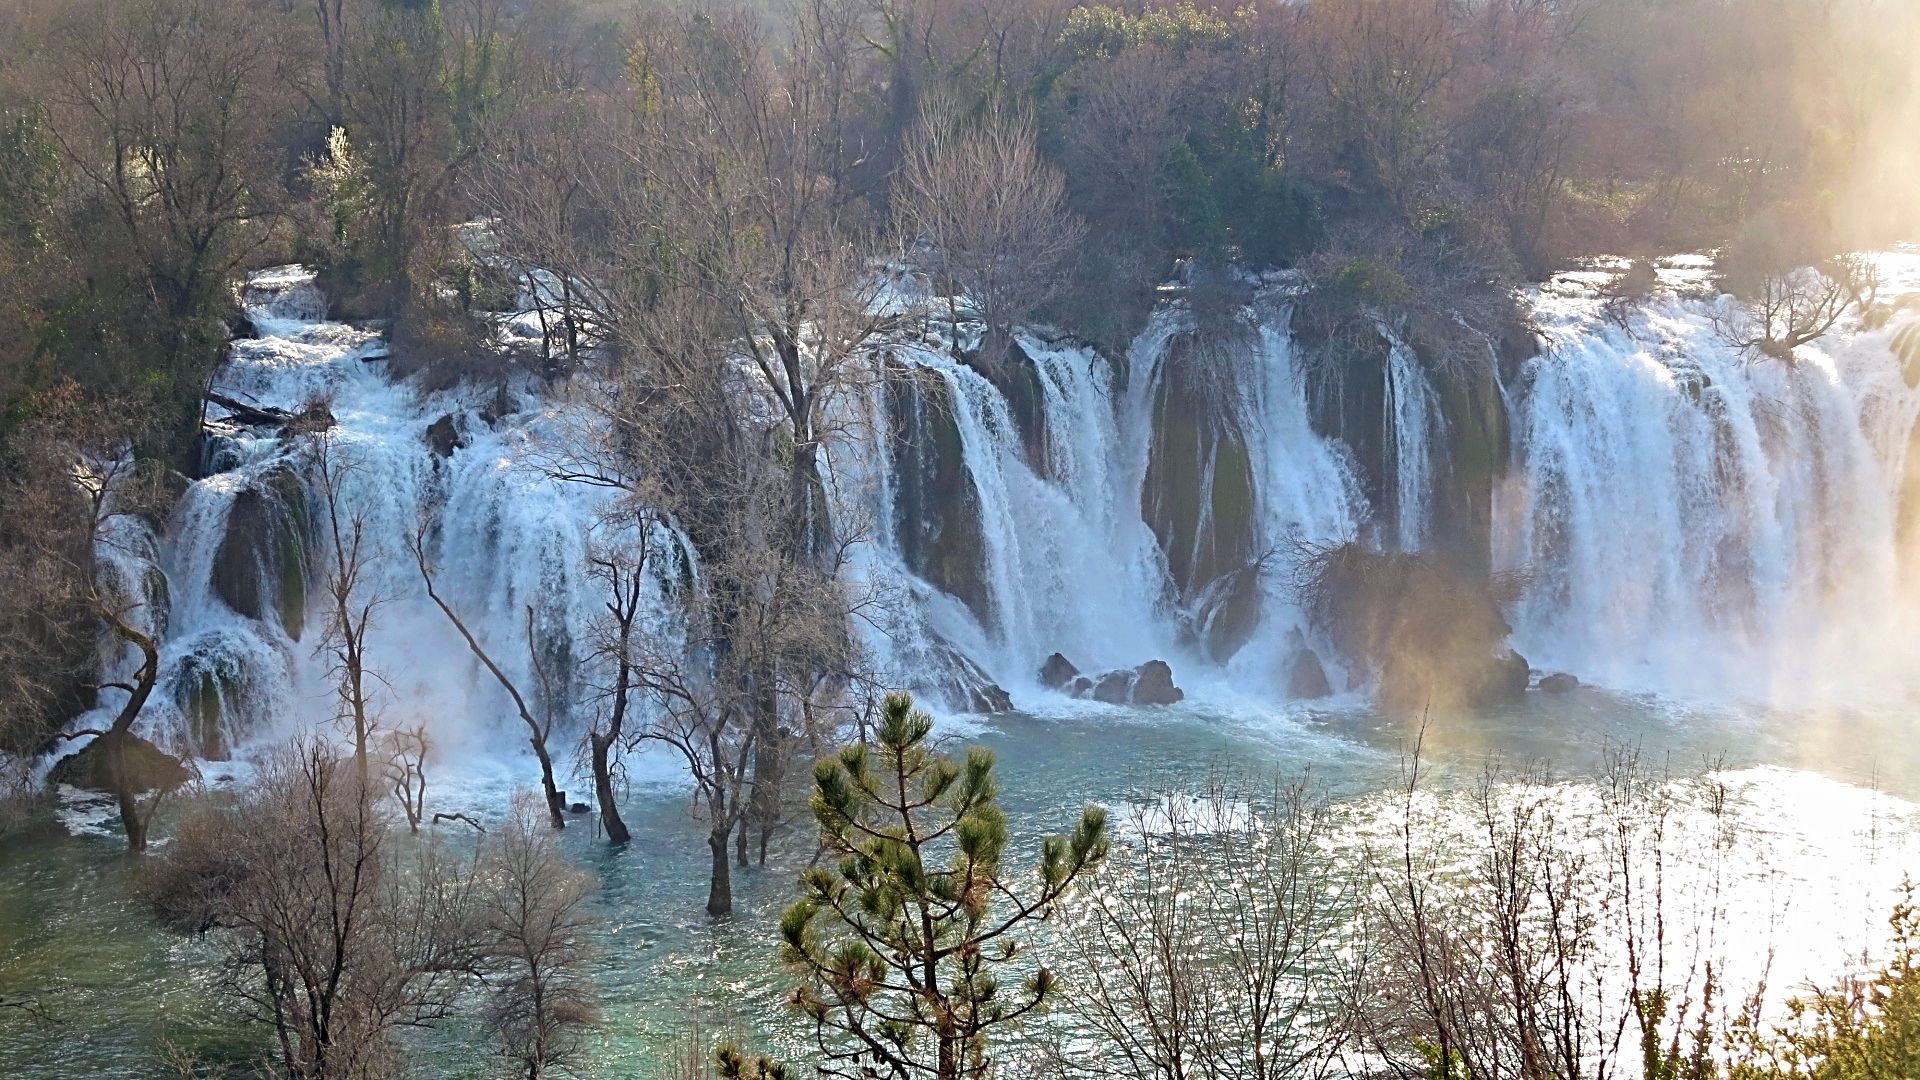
pixel 1198 497
pixel 1017 377
pixel 141 765
pixel 260 568
pixel 936 511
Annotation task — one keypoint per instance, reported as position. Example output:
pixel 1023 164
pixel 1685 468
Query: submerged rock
pixel 144 767
pixel 1058 672
pixel 1559 683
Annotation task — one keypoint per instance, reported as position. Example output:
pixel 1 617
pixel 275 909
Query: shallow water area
pixel 1823 798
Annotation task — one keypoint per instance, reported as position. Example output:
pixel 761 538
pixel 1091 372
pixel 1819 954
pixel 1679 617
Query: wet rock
pixel 1113 687
pixel 1058 672
pixel 1423 633
pixel 579 808
pixel 1082 687
pixel 1198 496
pixel 144 767
pixel 1559 683
pixel 260 567
pixel 952 676
pixel 1306 676
pixel 443 437
pixel 1153 685
pixel 1514 674
pixel 936 511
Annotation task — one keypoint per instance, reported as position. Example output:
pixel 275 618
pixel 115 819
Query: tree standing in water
pixel 901 934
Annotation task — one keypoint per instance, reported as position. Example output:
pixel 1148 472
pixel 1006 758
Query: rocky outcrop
pixel 1559 683
pixel 1058 672
pixel 1149 684
pixel 1198 497
pixel 1424 633
pixel 936 511
pixel 1347 394
pixel 260 568
pixel 142 766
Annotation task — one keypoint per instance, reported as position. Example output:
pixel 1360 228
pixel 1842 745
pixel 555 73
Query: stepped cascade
pixel 1685 521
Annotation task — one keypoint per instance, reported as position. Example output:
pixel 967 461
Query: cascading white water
pixel 506 540
pixel 1691 522
pixel 1071 565
pixel 1698 522
pixel 1414 427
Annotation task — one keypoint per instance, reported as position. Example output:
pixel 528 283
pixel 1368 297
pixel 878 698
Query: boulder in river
pixel 1306 676
pixel 1559 683
pixel 443 437
pixel 1153 685
pixel 1058 672
pixel 1149 684
pixel 146 767
pixel 1113 687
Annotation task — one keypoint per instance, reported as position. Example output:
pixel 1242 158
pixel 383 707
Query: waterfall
pixel 1697 522
pixel 1687 522
pixel 1070 565
pixel 509 543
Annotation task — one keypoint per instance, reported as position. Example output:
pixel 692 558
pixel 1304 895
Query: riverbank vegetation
pixel 1515 927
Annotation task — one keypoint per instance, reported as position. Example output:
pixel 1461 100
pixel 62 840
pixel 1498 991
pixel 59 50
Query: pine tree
pixel 903 935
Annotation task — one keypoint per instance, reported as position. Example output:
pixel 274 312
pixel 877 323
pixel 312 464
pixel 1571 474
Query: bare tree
pixel 1212 948
pixel 539 723
pixel 1493 961
pixel 1779 310
pixel 406 772
pixel 537 954
pixel 622 571
pixel 332 936
pixel 991 211
pixel 87 526
pixel 351 601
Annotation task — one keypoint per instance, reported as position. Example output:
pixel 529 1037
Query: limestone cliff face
pixel 936 512
pixel 1198 496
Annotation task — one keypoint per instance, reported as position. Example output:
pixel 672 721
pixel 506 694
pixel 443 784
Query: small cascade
pixel 1068 558
pixel 1415 430
pixel 239 573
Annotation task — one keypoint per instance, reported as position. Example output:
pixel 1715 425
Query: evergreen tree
pixel 903 937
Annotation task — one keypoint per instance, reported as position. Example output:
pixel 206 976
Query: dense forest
pixel 710 213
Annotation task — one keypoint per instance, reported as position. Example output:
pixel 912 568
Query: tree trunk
pixel 556 806
pixel 720 889
pixel 124 794
pixel 603 788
